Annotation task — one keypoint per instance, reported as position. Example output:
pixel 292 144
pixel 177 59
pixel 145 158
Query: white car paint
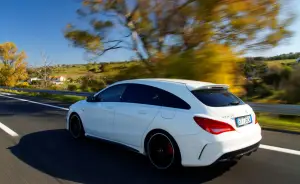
pixel 129 123
pixel 99 112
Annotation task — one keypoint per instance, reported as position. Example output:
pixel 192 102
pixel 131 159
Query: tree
pixel 190 23
pixel 45 69
pixel 12 64
pixel 155 30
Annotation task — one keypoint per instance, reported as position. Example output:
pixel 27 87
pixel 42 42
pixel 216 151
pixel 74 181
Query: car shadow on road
pixel 55 153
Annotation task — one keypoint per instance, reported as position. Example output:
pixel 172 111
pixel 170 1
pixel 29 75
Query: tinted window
pixel 143 94
pixel 112 94
pixel 170 100
pixel 217 98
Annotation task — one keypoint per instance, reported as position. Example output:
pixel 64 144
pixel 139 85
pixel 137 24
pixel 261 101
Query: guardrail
pixel 283 109
pixel 54 92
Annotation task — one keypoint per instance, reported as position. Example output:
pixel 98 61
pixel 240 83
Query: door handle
pixel 142 112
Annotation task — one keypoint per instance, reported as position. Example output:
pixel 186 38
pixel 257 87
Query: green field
pixel 76 71
pixel 285 61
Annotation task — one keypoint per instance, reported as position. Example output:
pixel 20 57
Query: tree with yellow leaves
pixel 12 65
pixel 186 31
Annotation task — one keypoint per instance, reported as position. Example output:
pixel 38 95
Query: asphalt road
pixel 43 152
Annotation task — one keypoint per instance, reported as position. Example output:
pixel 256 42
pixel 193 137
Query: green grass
pixel 60 98
pixel 286 61
pixel 290 123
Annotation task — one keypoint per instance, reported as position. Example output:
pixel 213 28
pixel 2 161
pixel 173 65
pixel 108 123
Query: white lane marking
pixel 24 100
pixel 262 146
pixel 8 130
pixel 5 93
pixel 283 150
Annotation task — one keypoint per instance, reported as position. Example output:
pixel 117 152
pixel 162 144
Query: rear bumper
pixel 239 153
pixel 197 151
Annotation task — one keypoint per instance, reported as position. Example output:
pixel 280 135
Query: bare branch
pixel 111 41
pixel 116 46
pixel 108 49
pixel 118 40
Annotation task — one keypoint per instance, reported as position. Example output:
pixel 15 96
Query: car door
pixel 99 115
pixel 140 105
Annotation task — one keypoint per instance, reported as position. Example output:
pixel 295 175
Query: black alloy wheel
pixel 162 151
pixel 75 127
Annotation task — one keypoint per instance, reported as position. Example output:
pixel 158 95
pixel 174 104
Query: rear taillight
pixel 213 126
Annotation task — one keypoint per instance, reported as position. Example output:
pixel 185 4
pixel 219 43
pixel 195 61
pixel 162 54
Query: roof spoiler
pixel 213 86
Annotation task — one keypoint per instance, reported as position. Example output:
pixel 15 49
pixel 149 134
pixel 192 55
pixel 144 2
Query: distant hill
pixel 290 55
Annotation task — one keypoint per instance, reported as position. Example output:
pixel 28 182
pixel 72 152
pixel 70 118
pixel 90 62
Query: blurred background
pixel 84 45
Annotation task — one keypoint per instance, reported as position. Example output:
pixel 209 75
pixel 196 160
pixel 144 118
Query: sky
pixel 37 25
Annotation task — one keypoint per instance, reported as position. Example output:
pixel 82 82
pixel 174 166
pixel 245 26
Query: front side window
pixel 217 97
pixel 112 94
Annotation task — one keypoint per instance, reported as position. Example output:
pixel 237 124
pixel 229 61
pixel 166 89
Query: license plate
pixel 242 121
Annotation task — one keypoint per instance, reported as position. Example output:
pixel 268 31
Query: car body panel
pixel 98 118
pixel 131 121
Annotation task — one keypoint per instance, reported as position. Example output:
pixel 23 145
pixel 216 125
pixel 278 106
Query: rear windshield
pixel 217 97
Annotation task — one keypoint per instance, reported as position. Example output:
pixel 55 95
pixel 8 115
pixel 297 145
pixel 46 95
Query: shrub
pixel 70 79
pixel 54 87
pixel 92 70
pixel 257 88
pixel 91 83
pixel 263 91
pixel 36 82
pixel 72 87
pixel 22 85
pixel 273 76
pixel 286 72
pixel 292 87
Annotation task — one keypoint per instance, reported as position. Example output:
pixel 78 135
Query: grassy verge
pixel 279 122
pixel 61 98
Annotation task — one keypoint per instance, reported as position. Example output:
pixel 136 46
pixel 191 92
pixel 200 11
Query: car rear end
pixel 228 130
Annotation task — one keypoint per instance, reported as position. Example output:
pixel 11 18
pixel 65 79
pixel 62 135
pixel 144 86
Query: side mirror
pixel 92 99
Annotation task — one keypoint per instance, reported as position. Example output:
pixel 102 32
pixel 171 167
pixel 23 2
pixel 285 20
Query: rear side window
pixel 142 94
pixel 217 97
pixel 171 100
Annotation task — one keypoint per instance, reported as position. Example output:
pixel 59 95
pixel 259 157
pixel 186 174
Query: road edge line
pixel 39 103
pixel 279 149
pixel 8 130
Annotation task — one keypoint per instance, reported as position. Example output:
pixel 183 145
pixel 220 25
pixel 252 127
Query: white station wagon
pixel 172 122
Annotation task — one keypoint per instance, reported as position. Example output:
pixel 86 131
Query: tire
pixel 162 151
pixel 75 127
